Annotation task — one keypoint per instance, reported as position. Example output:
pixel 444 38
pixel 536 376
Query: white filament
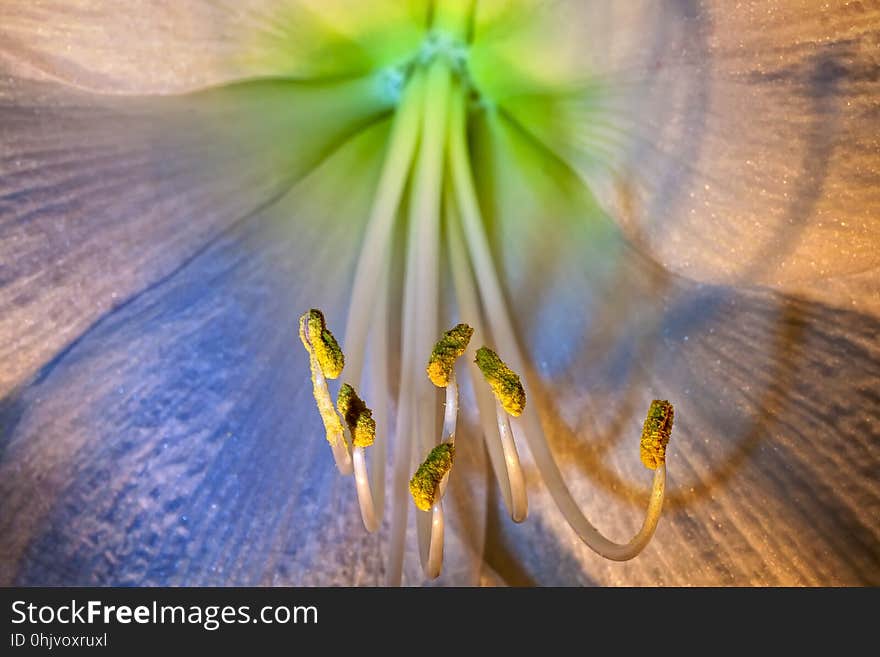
pixel 364 494
pixel 425 212
pixel 519 508
pixel 450 414
pixel 378 391
pixel 434 563
pixel 403 452
pixel 502 330
pixel 469 310
pixel 429 127
pixel 377 239
pixel 371 490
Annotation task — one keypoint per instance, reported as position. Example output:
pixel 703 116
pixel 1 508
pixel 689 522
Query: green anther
pixel 321 340
pixel 504 381
pixel 449 347
pixel 423 485
pixel 357 416
pixel 656 433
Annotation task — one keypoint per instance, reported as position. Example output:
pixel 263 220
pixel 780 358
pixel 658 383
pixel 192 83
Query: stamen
pixel 504 381
pixel 425 483
pixel 377 240
pixel 325 361
pixel 448 349
pixel 357 416
pixel 502 330
pixel 424 215
pixel 469 308
pixel 403 445
pixel 441 371
pixel 510 401
pixel 362 431
pixel 378 388
pixel 316 336
pixel 428 151
pixel 655 434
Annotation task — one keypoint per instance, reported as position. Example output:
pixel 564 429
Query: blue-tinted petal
pixel 175 441
pixel 100 197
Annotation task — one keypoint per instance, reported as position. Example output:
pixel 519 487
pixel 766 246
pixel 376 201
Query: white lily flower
pixel 627 202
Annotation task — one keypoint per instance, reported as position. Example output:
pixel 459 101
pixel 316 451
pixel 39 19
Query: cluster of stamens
pixel 426 190
pixel 428 485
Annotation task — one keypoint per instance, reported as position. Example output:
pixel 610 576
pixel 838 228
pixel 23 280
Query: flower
pixel 677 200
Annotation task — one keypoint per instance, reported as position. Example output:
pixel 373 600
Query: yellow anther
pixel 449 347
pixel 504 382
pixel 656 433
pixel 357 416
pixel 325 361
pixel 423 485
pixel 318 339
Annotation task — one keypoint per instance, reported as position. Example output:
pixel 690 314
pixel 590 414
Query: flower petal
pixel 771 458
pixel 161 46
pixel 317 38
pixel 103 197
pixel 152 46
pixel 772 454
pixel 176 442
pixel 769 175
pixel 179 457
pixel 738 144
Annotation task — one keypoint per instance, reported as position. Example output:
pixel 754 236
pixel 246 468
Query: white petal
pixel 163 46
pixel 176 441
pixel 149 46
pixel 104 197
pixel 744 137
